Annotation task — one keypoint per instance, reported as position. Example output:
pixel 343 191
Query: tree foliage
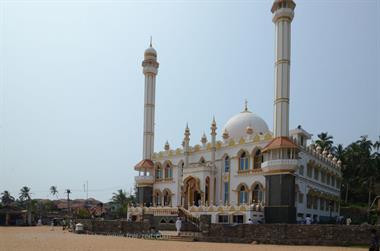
pixel 324 140
pixel 122 201
pixel 54 191
pixel 6 198
pixel 361 167
pixel 24 193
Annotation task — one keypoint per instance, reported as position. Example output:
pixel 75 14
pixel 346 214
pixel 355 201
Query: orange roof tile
pixel 145 163
pixel 279 142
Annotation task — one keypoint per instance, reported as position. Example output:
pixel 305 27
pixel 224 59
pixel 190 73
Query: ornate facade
pixel 246 171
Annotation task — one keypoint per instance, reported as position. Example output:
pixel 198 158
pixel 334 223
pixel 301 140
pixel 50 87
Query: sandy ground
pixel 42 238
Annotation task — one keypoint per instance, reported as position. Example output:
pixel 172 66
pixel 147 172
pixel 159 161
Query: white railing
pixel 144 179
pixel 280 163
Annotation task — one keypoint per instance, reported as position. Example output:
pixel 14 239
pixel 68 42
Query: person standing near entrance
pixel 178 225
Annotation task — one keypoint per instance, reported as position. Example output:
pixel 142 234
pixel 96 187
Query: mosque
pixel 248 171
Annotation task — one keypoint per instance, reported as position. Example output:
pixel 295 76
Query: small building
pixel 13 216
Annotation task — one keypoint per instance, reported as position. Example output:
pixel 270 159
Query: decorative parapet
pixel 257 207
pixel 156 211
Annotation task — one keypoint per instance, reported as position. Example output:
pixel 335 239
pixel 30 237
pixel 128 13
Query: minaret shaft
pixel 149 112
pixel 282 20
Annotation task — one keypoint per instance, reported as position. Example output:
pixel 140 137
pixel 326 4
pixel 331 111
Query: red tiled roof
pixel 146 163
pixel 279 142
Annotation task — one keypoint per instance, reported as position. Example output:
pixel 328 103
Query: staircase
pixel 185 236
pixel 181 238
pixel 182 212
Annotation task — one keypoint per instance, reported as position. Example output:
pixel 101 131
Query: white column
pixel 150 69
pixel 149 109
pixel 282 19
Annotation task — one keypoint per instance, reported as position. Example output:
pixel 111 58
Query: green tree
pixel 68 192
pixel 25 200
pixel 324 140
pixel 6 198
pixel 24 193
pixel 121 200
pixel 361 171
pixel 338 151
pixel 54 191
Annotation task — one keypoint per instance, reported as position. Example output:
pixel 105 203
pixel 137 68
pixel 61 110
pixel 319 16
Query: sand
pixel 42 238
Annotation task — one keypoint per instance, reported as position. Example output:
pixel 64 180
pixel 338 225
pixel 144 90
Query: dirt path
pixel 42 238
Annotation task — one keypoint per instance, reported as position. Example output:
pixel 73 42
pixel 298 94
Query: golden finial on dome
pixel 150 44
pixel 246 106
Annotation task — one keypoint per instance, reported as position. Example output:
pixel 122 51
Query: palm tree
pixel 324 140
pixel 25 196
pixel 120 197
pixel 54 191
pixel 24 193
pixel 338 151
pixel 376 145
pixel 68 192
pixel 121 200
pixel 6 198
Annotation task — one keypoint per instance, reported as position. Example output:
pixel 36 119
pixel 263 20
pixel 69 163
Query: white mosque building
pixel 244 170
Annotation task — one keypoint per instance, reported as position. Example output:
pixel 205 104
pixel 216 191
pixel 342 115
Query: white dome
pixel 237 125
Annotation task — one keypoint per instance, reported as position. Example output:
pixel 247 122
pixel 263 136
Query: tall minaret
pixel 213 164
pixel 281 154
pixel 283 13
pixel 150 67
pixel 145 180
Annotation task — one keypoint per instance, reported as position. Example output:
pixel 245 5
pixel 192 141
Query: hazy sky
pixel 71 83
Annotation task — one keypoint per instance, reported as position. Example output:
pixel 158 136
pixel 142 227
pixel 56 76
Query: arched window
pixel 207 190
pixel 158 172
pixel 227 164
pixel 157 198
pixel 243 194
pixel 168 171
pixel 257 160
pixel 167 198
pixel 243 161
pixel 257 194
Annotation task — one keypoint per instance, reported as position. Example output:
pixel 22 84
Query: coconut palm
pixel 338 151
pixel 376 145
pixel 324 140
pixel 68 192
pixel 6 198
pixel 24 193
pixel 54 191
pixel 121 200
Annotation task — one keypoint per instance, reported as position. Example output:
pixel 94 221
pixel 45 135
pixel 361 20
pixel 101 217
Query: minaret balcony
pixel 144 180
pixel 279 165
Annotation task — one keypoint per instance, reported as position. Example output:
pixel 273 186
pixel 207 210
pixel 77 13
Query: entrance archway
pixel 192 192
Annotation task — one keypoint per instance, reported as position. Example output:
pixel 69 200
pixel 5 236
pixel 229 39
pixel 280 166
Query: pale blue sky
pixel 71 81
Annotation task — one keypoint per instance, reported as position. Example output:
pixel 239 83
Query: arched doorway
pixel 207 191
pixel 192 192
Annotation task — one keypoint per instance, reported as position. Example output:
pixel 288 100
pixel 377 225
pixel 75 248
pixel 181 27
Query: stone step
pixel 180 238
